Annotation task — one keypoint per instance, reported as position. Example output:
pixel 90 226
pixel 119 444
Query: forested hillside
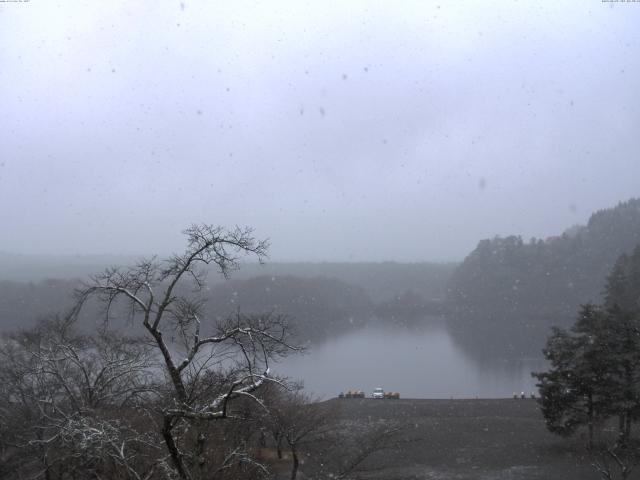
pixel 319 305
pixel 35 268
pixel 508 292
pixel 382 281
pixel 21 303
pixel 316 307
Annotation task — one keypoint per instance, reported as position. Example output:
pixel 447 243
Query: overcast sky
pixel 342 131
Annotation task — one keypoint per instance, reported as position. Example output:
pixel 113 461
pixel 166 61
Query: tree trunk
pixel 627 427
pixel 621 428
pixel 200 453
pixel 47 472
pixel 296 463
pixel 279 447
pixel 591 419
pixel 174 374
pixel 176 457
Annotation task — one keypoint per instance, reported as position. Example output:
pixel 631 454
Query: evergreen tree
pixel 622 301
pixel 595 366
pixel 574 391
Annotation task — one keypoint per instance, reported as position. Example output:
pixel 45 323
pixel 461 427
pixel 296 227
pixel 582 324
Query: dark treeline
pixel 508 292
pixel 35 268
pixel 382 281
pixel 22 303
pixel 320 300
pixel 317 307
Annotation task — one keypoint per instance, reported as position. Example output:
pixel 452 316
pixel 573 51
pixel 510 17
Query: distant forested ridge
pixel 382 281
pixel 321 299
pixel 22 303
pixel 316 307
pixel 36 268
pixel 508 292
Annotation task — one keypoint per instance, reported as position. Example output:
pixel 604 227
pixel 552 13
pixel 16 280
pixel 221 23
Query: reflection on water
pixel 418 364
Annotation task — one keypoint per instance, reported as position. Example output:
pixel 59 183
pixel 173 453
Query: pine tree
pixel 574 391
pixel 595 366
pixel 622 301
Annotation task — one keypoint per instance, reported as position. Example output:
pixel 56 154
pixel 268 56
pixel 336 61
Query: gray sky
pixel 341 131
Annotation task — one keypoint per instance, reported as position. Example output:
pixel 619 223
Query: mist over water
pixel 421 363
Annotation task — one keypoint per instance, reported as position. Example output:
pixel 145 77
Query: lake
pixel 417 363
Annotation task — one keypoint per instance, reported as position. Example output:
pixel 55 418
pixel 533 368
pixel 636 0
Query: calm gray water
pixel 418 364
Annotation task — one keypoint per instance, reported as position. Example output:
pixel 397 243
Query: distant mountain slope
pixel 507 293
pixel 34 268
pixel 382 281
pixel 21 303
pixel 317 307
pixel 322 298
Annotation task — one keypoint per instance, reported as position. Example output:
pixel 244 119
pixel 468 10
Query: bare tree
pixel 61 389
pixel 165 297
pixel 375 440
pixel 295 419
pixel 617 460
